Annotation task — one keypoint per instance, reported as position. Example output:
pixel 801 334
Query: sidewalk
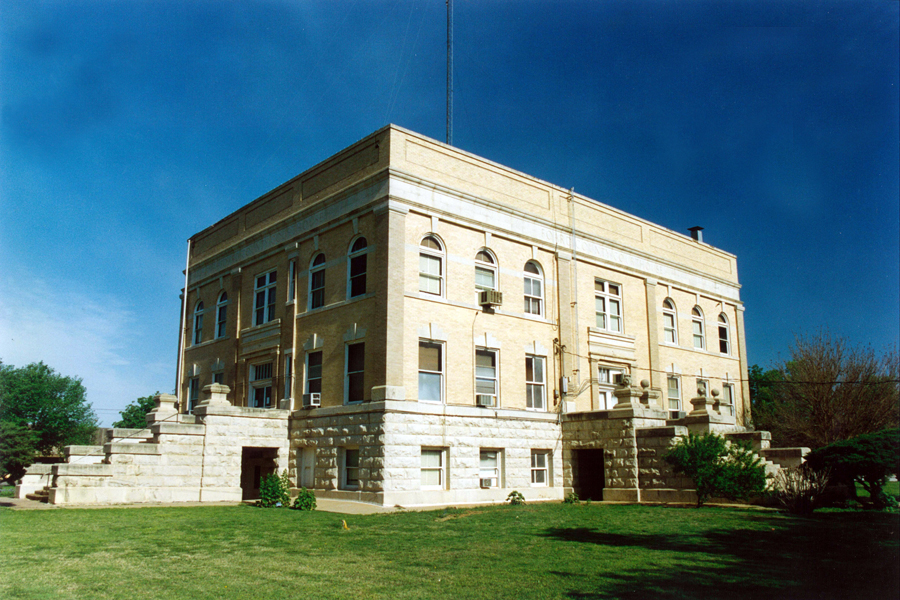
pixel 344 507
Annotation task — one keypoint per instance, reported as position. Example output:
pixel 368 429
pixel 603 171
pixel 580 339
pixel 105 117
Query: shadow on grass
pixel 843 555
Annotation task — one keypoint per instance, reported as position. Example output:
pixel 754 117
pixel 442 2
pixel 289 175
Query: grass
pixel 7 491
pixel 534 551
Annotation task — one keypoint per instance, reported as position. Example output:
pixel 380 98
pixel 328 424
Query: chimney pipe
pixel 696 233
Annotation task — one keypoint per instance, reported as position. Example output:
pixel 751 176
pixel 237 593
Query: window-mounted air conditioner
pixel 490 298
pixel 677 414
pixel 485 400
pixel 488 482
pixel 312 400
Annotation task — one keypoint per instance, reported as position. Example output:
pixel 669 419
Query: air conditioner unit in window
pixel 485 400
pixel 490 298
pixel 488 482
pixel 312 400
pixel 677 414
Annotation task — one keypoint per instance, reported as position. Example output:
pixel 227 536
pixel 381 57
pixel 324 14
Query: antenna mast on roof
pixel 450 72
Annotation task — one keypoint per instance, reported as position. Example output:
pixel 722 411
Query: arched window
pixel 356 268
pixel 670 322
pixel 221 315
pixel 534 289
pixel 485 272
pixel 724 337
pixel 317 282
pixel 198 323
pixel 698 328
pixel 431 266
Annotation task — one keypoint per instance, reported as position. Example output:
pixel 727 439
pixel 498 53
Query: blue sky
pixel 126 127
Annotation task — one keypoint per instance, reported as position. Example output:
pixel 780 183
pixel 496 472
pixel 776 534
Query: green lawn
pixel 586 551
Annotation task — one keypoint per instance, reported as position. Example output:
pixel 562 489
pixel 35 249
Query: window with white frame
pixel 535 382
pixel 431 266
pixel 198 323
pixel 670 322
pixel 698 328
pixel 726 406
pixel 431 371
pixel 314 372
pixel 292 281
pixel 222 315
pixel 433 468
pixel 264 292
pixel 606 383
pixel 317 282
pixel 193 393
pixel 356 269
pixel 485 272
pixel 350 468
pixel 608 305
pixel 261 385
pixel 486 383
pixel 724 337
pixel 674 396
pixel 355 380
pixel 534 289
pixel 489 468
pixel 540 468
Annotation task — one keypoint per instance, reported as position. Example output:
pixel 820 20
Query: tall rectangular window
pixel 433 469
pixel 351 468
pixel 261 385
pixel 356 361
pixel 535 383
pixel 317 282
pixel 489 468
pixel 193 393
pixel 221 315
pixel 534 294
pixel 357 268
pixel 540 470
pixel 288 376
pixel 674 395
pixel 608 305
pixel 314 372
pixel 486 388
pixel 292 281
pixel 727 404
pixel 264 306
pixel 431 371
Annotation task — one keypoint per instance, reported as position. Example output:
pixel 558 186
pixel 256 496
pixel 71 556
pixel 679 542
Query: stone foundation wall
pixel 390 436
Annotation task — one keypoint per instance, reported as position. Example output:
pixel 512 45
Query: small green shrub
pixel 274 491
pixel 515 498
pixel 719 468
pixel 571 498
pixel 305 500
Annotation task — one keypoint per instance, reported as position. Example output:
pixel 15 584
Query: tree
pixel 134 415
pixel 18 446
pixel 49 404
pixel 828 391
pixel 866 459
pixel 719 468
pixel 762 390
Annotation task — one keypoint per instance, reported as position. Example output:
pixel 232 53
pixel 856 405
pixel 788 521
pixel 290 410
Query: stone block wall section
pixel 390 437
pixel 198 461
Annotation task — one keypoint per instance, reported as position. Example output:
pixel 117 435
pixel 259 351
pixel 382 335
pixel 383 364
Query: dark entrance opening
pixel 588 474
pixel 256 463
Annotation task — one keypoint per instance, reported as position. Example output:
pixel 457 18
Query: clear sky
pixel 127 127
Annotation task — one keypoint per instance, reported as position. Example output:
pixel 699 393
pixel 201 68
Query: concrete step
pixel 42 495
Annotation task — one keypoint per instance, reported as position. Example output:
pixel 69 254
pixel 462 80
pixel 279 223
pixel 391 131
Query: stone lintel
pixel 83 469
pixel 116 448
pixel 241 411
pixel 178 429
pixel 667 431
pixel 82 450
